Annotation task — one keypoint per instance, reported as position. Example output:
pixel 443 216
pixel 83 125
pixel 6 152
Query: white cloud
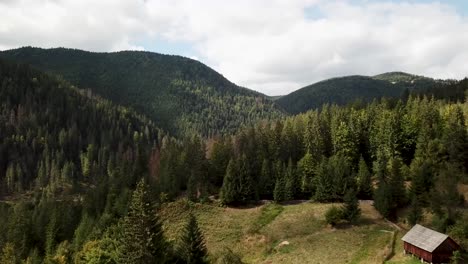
pixel 273 46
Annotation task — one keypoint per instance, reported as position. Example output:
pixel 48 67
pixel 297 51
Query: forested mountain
pixel 348 89
pixel 180 94
pixel 68 163
pixel 82 178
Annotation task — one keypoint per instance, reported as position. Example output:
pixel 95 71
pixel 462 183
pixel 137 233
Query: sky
pixel 272 46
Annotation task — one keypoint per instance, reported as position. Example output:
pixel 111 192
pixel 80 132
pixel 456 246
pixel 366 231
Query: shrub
pixel 333 215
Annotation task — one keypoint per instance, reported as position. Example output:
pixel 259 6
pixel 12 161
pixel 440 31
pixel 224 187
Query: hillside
pixel 180 94
pixel 49 127
pixel 255 234
pixel 347 89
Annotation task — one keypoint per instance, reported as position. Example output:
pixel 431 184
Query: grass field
pixel 255 233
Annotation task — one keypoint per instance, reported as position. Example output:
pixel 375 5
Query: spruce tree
pixel 364 179
pixel 267 181
pixel 229 190
pixel 291 184
pixel 306 171
pixel 383 199
pixel 325 188
pixel 397 184
pixel 192 243
pixel 351 210
pixel 142 239
pixel 280 184
pixel 415 214
pixel 247 188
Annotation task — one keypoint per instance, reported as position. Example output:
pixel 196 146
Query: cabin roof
pixel 424 238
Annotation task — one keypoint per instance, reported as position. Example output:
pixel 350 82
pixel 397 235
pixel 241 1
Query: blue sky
pixel 272 46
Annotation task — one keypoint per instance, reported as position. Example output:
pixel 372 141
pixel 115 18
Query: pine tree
pixel 415 214
pixel 422 180
pixel 267 181
pixel 192 243
pixel 279 194
pixel 454 137
pixel 351 210
pixel 247 188
pixel 364 178
pixel 192 188
pixel 325 189
pixel 291 184
pixel 142 240
pixel 397 184
pixel 383 199
pixel 229 190
pixel 306 170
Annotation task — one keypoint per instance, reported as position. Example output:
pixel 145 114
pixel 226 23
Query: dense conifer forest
pixel 181 95
pixel 82 178
pixel 345 90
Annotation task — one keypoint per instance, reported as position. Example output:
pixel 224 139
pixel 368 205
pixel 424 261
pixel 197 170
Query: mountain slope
pixel 347 89
pixel 180 94
pixel 55 136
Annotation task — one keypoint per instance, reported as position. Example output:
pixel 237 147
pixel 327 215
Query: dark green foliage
pixel 351 210
pixel 292 183
pixel 229 191
pixel 181 95
pixel 279 193
pixel 306 173
pixel 383 199
pixel 69 160
pixel 325 190
pixel 344 90
pixel 459 232
pixel 364 181
pixel 266 181
pixel 192 244
pixel 247 188
pixel 415 214
pixel 142 240
pixel 333 215
pixel 397 184
pixel 334 178
pixel 219 158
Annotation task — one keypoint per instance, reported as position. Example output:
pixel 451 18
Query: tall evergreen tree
pixel 351 210
pixel 292 183
pixel 415 214
pixel 142 239
pixel 192 243
pixel 383 199
pixel 397 184
pixel 306 171
pixel 266 181
pixel 364 181
pixel 279 193
pixel 229 191
pixel 325 189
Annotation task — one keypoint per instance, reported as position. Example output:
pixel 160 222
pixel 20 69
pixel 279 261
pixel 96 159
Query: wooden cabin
pixel 429 245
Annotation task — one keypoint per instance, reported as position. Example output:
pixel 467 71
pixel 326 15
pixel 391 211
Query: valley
pixel 91 174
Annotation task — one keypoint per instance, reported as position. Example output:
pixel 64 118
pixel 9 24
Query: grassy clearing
pixel 400 257
pixel 301 227
pixel 268 213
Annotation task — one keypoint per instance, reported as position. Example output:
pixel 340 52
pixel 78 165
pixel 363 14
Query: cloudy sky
pixel 273 46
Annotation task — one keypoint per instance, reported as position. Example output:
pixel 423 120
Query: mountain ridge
pixel 346 89
pixel 181 94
